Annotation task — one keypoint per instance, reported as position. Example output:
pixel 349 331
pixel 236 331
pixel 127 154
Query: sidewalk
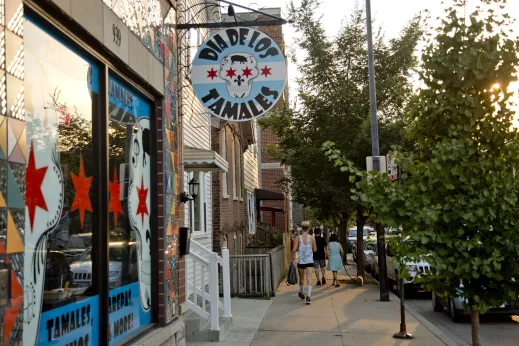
pixel 348 315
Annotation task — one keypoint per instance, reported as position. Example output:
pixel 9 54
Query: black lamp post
pixel 194 186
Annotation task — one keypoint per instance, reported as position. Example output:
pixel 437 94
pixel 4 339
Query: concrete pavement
pixel 348 315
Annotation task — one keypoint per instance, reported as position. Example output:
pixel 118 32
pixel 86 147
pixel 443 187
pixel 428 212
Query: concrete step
pixel 198 329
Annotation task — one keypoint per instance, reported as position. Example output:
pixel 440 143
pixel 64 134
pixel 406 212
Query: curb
pixel 431 327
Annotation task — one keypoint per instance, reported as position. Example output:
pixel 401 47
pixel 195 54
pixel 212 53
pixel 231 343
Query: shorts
pixel 319 264
pixel 305 265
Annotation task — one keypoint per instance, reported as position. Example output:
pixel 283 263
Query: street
pixel 495 330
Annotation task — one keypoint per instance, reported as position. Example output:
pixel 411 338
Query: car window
pixel 366 232
pixel 352 234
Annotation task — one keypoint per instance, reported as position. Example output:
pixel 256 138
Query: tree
pixel 334 105
pixel 458 200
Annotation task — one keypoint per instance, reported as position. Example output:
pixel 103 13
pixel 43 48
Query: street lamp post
pixel 384 293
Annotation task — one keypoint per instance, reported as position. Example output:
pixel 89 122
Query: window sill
pixel 199 234
pixel 226 196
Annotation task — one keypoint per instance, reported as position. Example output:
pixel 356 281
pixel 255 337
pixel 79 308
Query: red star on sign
pixel 266 71
pixel 115 203
pixel 33 181
pixel 247 72
pixel 142 193
pixel 231 73
pixel 211 74
pixel 81 199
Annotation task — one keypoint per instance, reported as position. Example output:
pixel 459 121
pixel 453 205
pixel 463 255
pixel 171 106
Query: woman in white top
pixel 306 246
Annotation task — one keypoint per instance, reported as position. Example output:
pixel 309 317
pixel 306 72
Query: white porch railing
pixel 203 296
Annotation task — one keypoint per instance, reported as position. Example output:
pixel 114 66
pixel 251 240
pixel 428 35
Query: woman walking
pixel 335 254
pixel 305 265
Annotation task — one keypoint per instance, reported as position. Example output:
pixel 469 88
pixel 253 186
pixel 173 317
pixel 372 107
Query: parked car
pixel 82 268
pixel 352 237
pixel 369 250
pixel 455 308
pixel 415 269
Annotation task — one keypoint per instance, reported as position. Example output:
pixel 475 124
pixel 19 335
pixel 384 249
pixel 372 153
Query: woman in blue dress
pixel 335 254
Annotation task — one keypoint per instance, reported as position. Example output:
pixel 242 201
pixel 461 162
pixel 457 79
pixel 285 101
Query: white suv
pixel 82 268
pixel 415 269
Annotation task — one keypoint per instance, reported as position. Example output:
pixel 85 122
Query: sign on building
pixel 239 74
pixel 392 168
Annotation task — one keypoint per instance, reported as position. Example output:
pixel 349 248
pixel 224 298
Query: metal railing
pixel 203 290
pixel 251 275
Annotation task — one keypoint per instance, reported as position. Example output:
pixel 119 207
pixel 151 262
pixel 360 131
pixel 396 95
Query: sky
pixel 392 15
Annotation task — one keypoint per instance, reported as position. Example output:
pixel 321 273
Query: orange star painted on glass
pixel 231 73
pixel 82 198
pixel 115 204
pixel 211 74
pixel 33 181
pixel 142 193
pixel 266 71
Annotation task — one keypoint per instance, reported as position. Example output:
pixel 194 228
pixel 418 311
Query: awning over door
pixel 265 195
pixel 203 160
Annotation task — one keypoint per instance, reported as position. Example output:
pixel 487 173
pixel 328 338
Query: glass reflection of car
pixel 82 268
pixel 457 313
pixel 57 271
pixel 352 237
pixel 76 245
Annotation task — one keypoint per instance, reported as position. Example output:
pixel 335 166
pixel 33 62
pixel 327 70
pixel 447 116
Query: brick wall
pixel 229 213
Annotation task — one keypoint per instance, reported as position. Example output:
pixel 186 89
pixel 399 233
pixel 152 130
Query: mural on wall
pixel 139 205
pixel 13 158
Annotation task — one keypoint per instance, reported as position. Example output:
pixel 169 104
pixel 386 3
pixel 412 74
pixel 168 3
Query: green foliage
pixel 458 199
pixel 333 93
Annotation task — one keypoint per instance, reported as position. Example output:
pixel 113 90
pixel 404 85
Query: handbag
pixel 292 275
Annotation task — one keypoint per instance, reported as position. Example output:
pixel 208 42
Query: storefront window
pixel 129 206
pixel 61 101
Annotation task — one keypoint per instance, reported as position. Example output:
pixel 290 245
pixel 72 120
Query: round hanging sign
pixel 239 74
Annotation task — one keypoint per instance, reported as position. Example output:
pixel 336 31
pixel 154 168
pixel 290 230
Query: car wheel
pixel 437 306
pixel 455 315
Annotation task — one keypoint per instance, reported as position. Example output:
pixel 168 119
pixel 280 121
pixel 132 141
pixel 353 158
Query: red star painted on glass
pixel 231 73
pixel 33 181
pixel 115 203
pixel 82 186
pixel 247 72
pixel 266 71
pixel 211 74
pixel 142 193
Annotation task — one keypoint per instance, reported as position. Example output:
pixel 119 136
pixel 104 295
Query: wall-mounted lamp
pixel 194 186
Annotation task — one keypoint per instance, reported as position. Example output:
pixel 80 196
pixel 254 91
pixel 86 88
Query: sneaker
pixel 318 283
pixel 307 300
pixel 337 285
pixel 324 281
pixel 301 295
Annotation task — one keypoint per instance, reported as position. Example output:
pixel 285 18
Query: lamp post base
pixel 403 334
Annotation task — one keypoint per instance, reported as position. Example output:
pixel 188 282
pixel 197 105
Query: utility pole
pixel 381 246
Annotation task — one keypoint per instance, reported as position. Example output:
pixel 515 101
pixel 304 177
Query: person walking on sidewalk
pixel 306 247
pixel 335 253
pixel 320 257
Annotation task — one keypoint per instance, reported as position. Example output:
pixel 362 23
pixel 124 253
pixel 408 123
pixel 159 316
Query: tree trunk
pixel 474 319
pixel 361 220
pixel 343 235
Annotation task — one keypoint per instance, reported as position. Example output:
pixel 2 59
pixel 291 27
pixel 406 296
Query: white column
pixel 213 291
pixel 226 284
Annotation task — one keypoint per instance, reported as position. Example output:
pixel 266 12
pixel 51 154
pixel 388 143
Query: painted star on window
pixel 33 181
pixel 211 74
pixel 231 73
pixel 266 71
pixel 115 202
pixel 247 72
pixel 142 193
pixel 82 186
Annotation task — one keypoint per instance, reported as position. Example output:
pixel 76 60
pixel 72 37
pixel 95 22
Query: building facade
pixel 90 173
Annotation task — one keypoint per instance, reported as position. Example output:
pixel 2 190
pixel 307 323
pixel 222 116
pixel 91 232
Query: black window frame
pixel 48 17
